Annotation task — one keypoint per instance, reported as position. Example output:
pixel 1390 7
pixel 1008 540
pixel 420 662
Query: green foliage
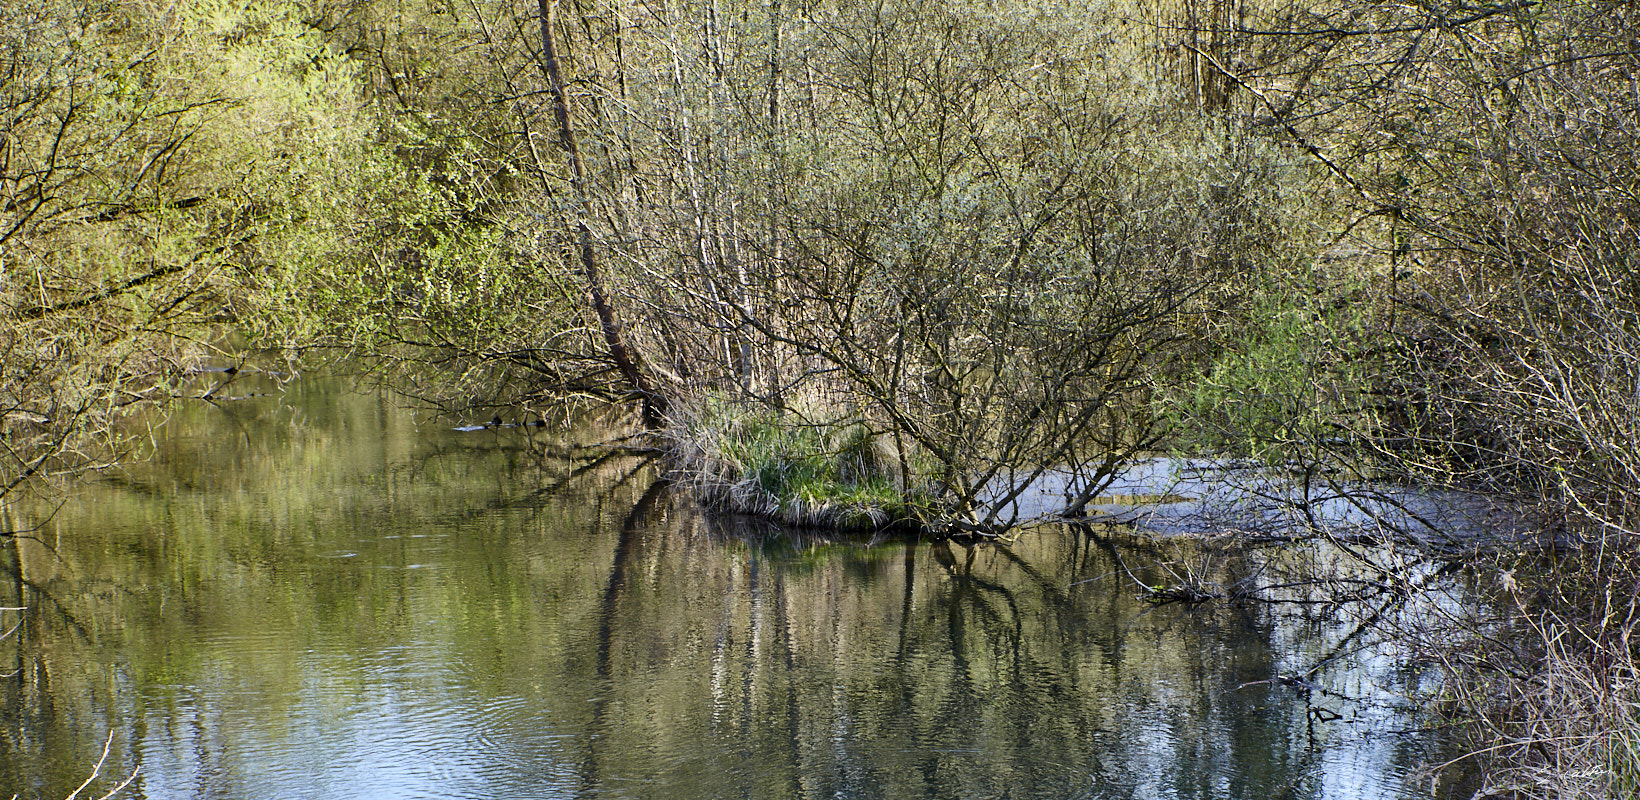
pixel 1291 377
pixel 448 266
pixel 169 179
pixel 141 158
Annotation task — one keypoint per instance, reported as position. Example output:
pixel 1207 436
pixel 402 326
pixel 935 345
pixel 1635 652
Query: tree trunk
pixel 625 361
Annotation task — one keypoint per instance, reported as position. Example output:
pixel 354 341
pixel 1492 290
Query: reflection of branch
pixel 25 533
pixel 107 746
pixel 965 577
pixel 8 635
pixel 576 472
pixel 1050 589
pixel 606 623
pixel 98 769
pixel 1395 599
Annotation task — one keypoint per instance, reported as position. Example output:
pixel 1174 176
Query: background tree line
pixel 944 249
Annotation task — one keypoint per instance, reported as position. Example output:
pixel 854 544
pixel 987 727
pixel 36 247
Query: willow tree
pixel 155 171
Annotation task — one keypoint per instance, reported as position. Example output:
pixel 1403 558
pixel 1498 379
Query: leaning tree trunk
pixel 625 361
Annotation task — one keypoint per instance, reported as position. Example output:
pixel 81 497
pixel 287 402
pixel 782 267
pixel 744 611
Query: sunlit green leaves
pixel 1296 377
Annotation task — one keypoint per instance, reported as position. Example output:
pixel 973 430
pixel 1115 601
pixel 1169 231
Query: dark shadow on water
pixel 608 607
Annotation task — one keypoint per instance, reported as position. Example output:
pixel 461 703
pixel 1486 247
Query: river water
pixel 314 594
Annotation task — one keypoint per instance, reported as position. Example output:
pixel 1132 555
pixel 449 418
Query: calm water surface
pixel 311 595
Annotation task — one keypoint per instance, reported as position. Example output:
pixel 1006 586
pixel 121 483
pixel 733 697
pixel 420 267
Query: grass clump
pixel 838 474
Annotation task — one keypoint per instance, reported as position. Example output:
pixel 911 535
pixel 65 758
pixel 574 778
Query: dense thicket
pixel 991 236
pixel 942 249
pixel 1489 151
pixel 162 172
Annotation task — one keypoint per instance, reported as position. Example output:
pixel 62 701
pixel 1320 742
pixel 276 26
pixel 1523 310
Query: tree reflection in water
pixel 337 601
